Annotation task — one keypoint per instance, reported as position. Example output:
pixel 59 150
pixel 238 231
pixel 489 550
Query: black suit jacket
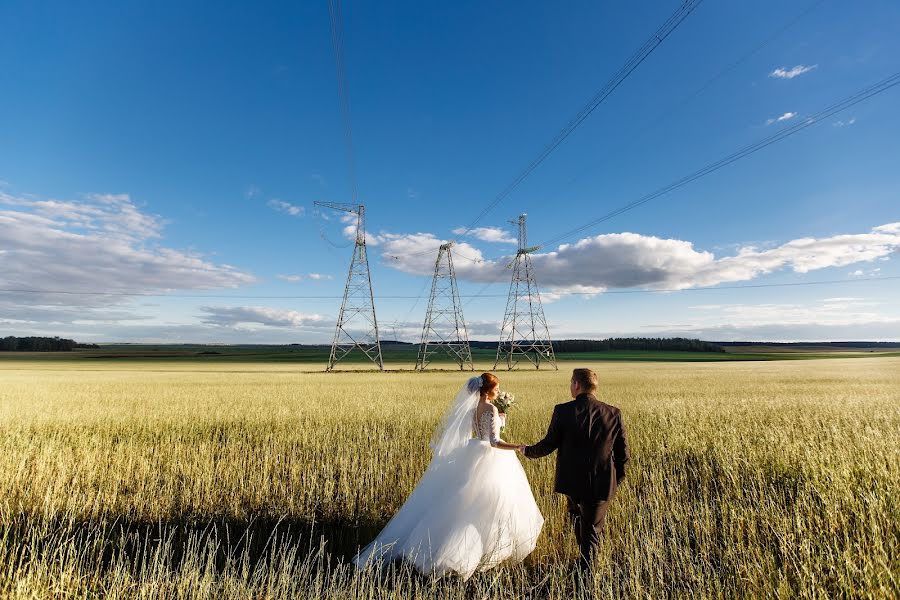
pixel 592 450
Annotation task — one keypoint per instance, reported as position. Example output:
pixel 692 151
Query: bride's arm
pixel 496 442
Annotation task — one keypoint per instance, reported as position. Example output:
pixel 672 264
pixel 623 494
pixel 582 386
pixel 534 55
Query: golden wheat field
pixel 192 480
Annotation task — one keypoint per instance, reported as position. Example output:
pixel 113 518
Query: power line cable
pixel 706 85
pixel 709 82
pixel 337 43
pixel 864 94
pixel 641 54
pixel 408 297
pixel 786 132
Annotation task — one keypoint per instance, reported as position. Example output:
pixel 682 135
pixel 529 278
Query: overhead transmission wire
pixel 690 97
pixel 709 82
pixel 337 43
pixel 407 297
pixel 860 96
pixel 784 133
pixel 639 56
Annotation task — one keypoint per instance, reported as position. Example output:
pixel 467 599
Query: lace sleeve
pixel 494 427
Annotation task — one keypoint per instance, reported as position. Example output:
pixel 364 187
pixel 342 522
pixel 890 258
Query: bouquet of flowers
pixel 504 401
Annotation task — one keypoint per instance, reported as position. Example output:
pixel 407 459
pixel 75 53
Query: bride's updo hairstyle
pixel 489 381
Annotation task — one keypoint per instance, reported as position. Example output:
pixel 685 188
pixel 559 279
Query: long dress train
pixel 471 510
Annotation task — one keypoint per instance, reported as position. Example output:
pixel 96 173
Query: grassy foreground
pixel 250 480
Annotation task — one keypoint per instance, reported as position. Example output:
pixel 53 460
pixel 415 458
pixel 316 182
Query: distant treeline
pixel 816 344
pixel 40 344
pixel 661 344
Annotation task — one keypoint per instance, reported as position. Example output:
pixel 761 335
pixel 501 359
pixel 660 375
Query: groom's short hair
pixel 586 379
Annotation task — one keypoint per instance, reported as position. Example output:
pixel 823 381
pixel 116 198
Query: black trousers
pixel 589 519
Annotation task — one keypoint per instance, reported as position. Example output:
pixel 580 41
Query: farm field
pixel 251 479
pixel 403 356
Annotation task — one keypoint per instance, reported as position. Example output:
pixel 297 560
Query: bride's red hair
pixel 489 381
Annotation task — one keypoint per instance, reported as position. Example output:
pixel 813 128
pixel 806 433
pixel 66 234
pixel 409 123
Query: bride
pixel 473 507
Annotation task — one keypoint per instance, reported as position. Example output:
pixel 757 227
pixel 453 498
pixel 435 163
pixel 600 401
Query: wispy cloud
pixel 784 117
pixel 297 277
pixel 846 123
pixel 236 316
pixel 100 243
pixel 487 234
pixel 286 207
pixel 785 73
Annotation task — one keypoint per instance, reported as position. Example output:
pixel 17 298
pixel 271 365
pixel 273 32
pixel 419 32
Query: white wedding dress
pixel 471 510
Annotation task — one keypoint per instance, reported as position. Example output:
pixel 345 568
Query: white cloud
pixel 252 192
pixel 784 73
pixel 487 234
pixel 300 277
pixel 286 207
pixel 249 316
pixel 349 230
pixel 846 123
pixel 784 117
pixel 631 260
pixel 101 243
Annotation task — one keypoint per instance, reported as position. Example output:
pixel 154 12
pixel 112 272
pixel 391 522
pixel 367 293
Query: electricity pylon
pixel 357 326
pixel 524 333
pixel 444 331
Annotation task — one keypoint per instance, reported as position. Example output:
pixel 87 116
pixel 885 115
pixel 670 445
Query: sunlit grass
pixel 258 480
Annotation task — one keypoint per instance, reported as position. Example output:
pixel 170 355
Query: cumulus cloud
pixel 286 207
pixel 295 278
pixel 784 117
pixel 237 316
pixel 100 244
pixel 785 73
pixel 632 260
pixel 487 234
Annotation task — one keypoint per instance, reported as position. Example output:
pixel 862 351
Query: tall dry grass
pixel 259 481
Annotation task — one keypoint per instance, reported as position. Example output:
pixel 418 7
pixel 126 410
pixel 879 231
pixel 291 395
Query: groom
pixel 590 463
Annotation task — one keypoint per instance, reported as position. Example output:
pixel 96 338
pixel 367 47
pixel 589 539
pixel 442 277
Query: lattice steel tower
pixel 524 333
pixel 444 331
pixel 357 326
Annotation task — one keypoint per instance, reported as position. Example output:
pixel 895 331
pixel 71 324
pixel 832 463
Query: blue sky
pixel 173 149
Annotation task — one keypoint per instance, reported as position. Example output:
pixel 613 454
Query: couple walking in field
pixel 473 507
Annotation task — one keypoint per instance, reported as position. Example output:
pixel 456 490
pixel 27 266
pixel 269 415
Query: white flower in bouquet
pixel 504 401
